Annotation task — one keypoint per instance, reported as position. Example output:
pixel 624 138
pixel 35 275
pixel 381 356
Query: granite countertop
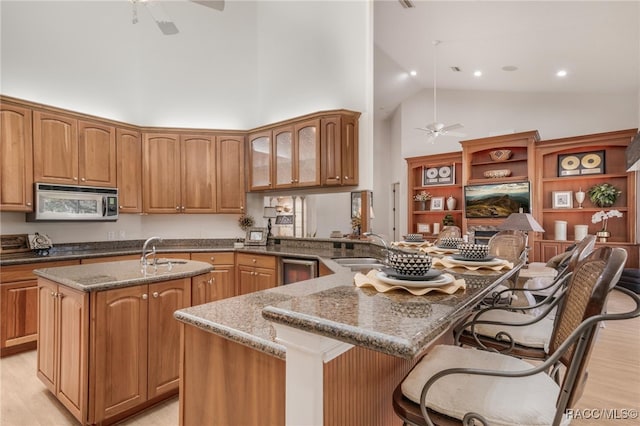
pixel 126 273
pixel 395 323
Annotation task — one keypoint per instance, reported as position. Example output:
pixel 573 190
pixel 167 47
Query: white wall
pixel 254 63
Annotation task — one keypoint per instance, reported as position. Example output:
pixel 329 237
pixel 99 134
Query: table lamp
pixel 521 222
pixel 269 213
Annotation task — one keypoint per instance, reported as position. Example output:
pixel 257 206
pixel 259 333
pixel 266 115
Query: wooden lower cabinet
pixel 546 249
pixel 256 272
pixel 108 354
pixel 220 283
pixel 63 330
pixel 19 306
pixel 226 383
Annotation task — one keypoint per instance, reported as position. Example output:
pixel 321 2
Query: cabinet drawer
pixel 258 260
pixel 25 272
pixel 215 257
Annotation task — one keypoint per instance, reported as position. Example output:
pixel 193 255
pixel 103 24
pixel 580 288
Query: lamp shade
pixel 270 212
pixel 520 222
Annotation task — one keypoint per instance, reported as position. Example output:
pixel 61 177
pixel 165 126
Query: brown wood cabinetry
pixel 297 154
pixel 438 171
pixel 256 272
pixel 197 174
pixel 63 328
pixel 230 179
pixel 16 159
pixel 319 149
pixel 339 141
pixel 161 173
pixel 220 283
pixel 521 167
pixel 129 170
pixel 73 152
pixel 19 306
pixel 549 180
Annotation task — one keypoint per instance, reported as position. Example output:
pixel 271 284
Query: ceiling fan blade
pixel 157 12
pixel 213 4
pixel 426 129
pixel 451 127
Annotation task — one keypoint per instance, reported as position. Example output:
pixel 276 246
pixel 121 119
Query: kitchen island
pixel 317 352
pixel 108 345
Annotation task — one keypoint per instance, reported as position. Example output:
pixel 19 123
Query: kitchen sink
pixel 359 263
pixel 168 261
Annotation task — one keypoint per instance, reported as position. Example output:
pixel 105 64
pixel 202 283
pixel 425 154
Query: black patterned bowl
pixel 450 242
pixel 474 251
pixel 414 264
pixel 413 238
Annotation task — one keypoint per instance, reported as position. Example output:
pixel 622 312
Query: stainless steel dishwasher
pixel 294 270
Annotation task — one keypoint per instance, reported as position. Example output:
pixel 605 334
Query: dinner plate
pixel 447 250
pixel 461 257
pixel 494 262
pixel 431 274
pixel 443 279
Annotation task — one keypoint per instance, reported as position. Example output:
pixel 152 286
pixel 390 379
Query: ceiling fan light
pixel 561 73
pixel 477 73
pixel 413 73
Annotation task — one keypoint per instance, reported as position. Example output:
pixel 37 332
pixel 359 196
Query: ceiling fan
pixel 164 22
pixel 436 128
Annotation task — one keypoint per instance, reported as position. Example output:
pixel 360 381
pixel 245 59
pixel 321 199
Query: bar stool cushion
pixel 535 335
pixel 498 399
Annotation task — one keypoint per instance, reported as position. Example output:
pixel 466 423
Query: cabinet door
pixel 307 153
pixel 283 157
pixel 349 146
pixel 96 154
pixel 222 283
pixel 164 334
pixel 332 151
pixel 120 350
pixel 19 313
pixel 245 279
pixel 47 335
pixel 253 279
pixel 230 181
pixel 16 159
pixel 260 161
pixel 55 148
pixel 198 163
pixel 200 289
pixel 73 340
pixel 161 173
pixel 129 170
pixel 264 279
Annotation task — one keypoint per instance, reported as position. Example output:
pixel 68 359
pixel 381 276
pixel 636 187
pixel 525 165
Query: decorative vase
pixel 603 235
pixel 580 194
pixel 451 203
pixel 422 205
pixel 580 231
pixel 561 230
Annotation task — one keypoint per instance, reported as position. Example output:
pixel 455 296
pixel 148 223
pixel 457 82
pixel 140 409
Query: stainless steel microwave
pixel 74 203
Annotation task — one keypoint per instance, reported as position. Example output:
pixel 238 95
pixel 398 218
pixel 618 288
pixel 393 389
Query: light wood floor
pixel 614 383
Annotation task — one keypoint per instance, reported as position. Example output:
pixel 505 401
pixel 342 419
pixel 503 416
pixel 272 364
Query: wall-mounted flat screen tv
pixel 497 199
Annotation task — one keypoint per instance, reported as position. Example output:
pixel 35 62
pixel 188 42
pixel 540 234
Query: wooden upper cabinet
pixel 96 154
pixel 55 148
pixel 296 154
pixel 283 156
pixel 230 180
pixel 72 152
pixel 198 172
pixel 129 170
pixel 16 159
pixel 339 139
pixel 161 173
pixel 260 161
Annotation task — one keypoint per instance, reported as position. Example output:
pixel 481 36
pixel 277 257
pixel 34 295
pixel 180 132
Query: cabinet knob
pixel 337 177
pixel 121 207
pixel 155 295
pixel 254 260
pixel 83 179
pixel 213 258
pixel 182 208
pixel 53 294
pixel 28 204
pixel 210 281
pixel 145 296
pixel 75 178
pixel 178 208
pixel 346 177
pixel 241 207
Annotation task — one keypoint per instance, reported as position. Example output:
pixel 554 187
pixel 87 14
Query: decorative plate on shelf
pixel 500 155
pixel 500 173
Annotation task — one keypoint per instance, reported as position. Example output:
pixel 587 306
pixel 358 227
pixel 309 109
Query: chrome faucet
pixel 384 243
pixel 144 259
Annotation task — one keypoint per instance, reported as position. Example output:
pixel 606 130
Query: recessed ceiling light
pixel 477 73
pixel 562 73
pixel 509 68
pixel 413 73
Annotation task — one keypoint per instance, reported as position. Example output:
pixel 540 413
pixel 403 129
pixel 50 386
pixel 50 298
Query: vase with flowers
pixel 602 216
pixel 356 223
pixel 245 222
pixel 422 198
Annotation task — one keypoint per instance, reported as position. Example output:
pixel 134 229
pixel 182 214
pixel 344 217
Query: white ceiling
pixel 596 42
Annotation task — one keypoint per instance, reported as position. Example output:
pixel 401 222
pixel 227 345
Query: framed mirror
pixel 256 237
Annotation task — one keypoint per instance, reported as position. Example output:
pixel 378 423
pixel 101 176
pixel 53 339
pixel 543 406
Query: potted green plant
pixel 603 194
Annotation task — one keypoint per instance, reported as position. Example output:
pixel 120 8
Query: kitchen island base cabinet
pixel 63 333
pixel 226 383
pixel 136 351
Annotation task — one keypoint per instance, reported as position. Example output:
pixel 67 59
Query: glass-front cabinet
pixel 260 153
pixel 297 155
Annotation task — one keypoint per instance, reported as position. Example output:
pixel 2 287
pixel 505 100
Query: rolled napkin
pixel 411 245
pixel 370 280
pixel 447 263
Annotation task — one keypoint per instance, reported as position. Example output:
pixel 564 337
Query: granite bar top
pixel 395 323
pixel 126 273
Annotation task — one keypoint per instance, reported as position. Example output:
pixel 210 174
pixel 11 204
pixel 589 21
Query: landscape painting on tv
pixel 496 199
